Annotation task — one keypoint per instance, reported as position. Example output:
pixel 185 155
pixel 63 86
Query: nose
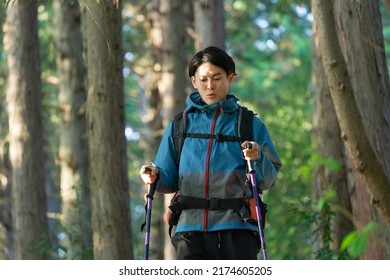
pixel 210 84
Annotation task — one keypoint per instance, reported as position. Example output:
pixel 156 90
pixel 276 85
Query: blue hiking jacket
pixel 212 169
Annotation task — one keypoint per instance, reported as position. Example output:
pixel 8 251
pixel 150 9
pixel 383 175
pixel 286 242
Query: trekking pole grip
pixel 151 187
pixel 249 162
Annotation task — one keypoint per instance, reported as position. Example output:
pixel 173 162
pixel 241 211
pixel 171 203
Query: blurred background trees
pixel 109 75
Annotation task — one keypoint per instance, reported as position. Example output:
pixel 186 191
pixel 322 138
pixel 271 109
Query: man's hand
pixel 250 150
pixel 149 174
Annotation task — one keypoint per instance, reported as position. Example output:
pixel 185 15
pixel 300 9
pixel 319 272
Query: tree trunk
pixel 163 84
pixel 356 72
pixel 6 232
pixel 325 126
pixel 173 77
pixel 209 23
pixel 106 125
pixel 73 150
pixel 32 240
pixel 152 118
pixel 363 44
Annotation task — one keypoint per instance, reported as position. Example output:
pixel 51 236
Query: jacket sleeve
pixel 166 163
pixel 268 164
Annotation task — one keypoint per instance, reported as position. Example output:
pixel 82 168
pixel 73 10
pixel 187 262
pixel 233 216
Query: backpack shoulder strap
pixel 179 132
pixel 245 120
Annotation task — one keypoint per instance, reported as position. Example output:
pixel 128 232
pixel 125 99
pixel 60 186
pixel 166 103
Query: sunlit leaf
pixel 348 239
pixel 358 246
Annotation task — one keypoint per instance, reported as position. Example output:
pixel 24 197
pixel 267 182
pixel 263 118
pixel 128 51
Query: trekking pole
pixel 149 196
pixel 252 174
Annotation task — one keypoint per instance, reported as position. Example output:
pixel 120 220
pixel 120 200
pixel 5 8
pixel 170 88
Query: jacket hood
pixel 228 105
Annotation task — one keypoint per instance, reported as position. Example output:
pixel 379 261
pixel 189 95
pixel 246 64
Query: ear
pixel 231 78
pixel 193 80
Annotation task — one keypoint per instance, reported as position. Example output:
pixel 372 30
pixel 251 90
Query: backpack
pixel 244 120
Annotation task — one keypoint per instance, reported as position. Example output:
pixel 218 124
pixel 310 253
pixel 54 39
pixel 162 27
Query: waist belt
pixel 189 202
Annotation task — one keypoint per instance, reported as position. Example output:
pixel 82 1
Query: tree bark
pixel 173 78
pixel 73 150
pixel 358 145
pixel 152 118
pixel 362 46
pixel 32 240
pixel 325 126
pixel 106 125
pixel 6 232
pixel 209 23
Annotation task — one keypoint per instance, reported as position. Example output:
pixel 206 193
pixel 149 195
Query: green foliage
pixel 328 254
pixel 355 243
pixel 322 226
pixel 41 247
pixel 319 219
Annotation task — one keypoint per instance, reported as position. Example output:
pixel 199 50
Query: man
pixel 211 174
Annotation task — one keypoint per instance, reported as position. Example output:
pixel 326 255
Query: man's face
pixel 212 82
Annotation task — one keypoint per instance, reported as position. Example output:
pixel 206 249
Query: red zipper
pixel 206 177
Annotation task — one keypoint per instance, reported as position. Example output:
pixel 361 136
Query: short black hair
pixel 215 56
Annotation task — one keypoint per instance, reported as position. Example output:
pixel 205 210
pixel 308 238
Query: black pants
pixel 216 245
